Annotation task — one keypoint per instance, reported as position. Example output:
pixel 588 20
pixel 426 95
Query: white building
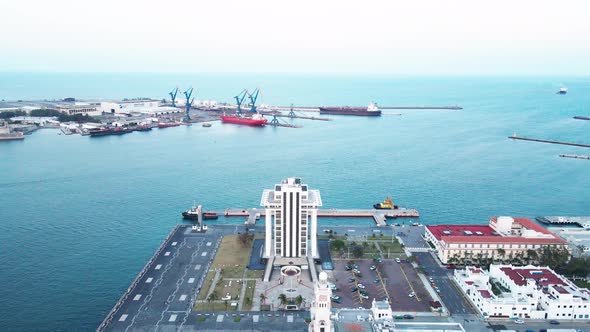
pixel 381 310
pixel 90 109
pixel 291 222
pixel 524 292
pixel 147 106
pixel 321 314
pixel 504 238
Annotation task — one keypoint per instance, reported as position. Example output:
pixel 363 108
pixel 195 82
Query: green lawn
pixel 250 288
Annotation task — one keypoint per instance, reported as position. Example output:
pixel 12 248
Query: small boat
pixel 562 91
pixel 206 125
pixel 143 128
pixel 209 216
pixel 387 204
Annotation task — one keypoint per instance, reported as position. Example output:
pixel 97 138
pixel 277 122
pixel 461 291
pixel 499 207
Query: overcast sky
pixel 464 37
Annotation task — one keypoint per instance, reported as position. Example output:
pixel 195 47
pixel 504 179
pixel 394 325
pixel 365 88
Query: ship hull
pixel 349 111
pixel 243 121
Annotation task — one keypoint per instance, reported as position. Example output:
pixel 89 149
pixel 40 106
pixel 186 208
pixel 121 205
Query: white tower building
pixel 321 307
pixel 291 221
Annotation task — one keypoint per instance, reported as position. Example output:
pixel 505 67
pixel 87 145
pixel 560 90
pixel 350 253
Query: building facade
pixel 321 308
pixel 504 238
pixel 291 220
pixel 523 292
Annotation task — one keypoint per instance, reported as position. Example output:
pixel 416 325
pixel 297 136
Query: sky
pixel 452 37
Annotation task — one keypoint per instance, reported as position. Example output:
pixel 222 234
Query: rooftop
pixel 487 234
pixel 542 275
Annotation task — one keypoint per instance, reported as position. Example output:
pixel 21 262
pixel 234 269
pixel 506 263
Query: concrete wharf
pixel 556 220
pixel 575 156
pixel 580 117
pixel 379 216
pixel 317 108
pixel 281 115
pixel 514 137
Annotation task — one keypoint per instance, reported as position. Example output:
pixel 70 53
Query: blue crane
pixel 189 102
pixel 253 96
pixel 240 99
pixel 173 96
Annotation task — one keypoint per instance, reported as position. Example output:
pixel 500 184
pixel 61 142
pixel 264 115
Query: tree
pixel 365 244
pixel 283 299
pixel 262 298
pixel 337 245
pixel 226 303
pixel 298 300
pixel 501 253
pixel 212 297
pixel 532 255
pixel 357 251
pixel 555 258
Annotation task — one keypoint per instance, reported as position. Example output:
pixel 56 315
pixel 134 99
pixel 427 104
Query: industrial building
pixel 523 292
pixel 504 237
pixel 146 106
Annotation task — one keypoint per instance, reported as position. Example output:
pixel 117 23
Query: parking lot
pixel 392 280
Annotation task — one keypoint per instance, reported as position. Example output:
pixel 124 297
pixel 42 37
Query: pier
pixel 514 137
pixel 583 222
pixel 580 117
pixel 294 116
pixel 379 216
pixel 317 108
pixel 574 156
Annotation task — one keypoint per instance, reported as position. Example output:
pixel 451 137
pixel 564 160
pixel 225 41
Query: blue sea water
pixel 80 216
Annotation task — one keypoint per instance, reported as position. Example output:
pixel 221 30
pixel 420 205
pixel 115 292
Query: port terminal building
pixel 531 292
pixel 503 237
pixel 291 225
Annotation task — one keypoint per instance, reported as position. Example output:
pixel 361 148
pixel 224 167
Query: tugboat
pixel 387 204
pixel 562 91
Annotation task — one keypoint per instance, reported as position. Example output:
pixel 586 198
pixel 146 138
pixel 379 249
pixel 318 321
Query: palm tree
pixel 212 297
pixel 298 300
pixel 501 253
pixel 262 298
pixel 283 299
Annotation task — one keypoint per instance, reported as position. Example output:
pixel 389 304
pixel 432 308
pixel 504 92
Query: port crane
pixel 240 99
pixel 253 96
pixel 189 102
pixel 173 96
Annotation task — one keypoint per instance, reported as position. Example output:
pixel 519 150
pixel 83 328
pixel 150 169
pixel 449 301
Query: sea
pixel 80 216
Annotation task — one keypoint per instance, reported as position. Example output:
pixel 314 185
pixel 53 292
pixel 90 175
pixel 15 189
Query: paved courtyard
pixel 291 286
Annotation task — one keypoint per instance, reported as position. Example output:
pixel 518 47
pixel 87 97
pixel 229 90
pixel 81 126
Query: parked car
pixel 354 289
pixel 373 267
pixel 361 286
pixel 408 316
pixel 412 294
pixel 351 279
pixel 364 296
pixel 336 300
pixel 519 321
pixel 553 322
pixel 348 267
pixel 356 271
pixel 376 281
pixel 397 260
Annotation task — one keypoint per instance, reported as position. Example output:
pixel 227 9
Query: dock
pixel 317 108
pixel 514 137
pixel 580 117
pixel 294 116
pixel 574 156
pixel 379 216
pixel 556 220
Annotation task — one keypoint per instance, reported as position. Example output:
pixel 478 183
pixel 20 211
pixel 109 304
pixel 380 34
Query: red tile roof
pixel 543 276
pixel 486 294
pixel 456 233
pixel 561 290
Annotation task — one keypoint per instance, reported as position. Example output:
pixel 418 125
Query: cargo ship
pixel 371 110
pixel 256 120
pixel 105 131
pixel 168 124
pixel 387 204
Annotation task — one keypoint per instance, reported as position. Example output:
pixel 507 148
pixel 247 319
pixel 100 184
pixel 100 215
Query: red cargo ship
pixel 256 120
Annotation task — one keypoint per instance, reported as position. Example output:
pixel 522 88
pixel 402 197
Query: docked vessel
pixel 256 120
pixel 143 128
pixel 387 204
pixel 562 91
pixel 7 135
pixel 371 110
pixel 168 124
pixel 206 125
pixel 193 214
pixel 106 131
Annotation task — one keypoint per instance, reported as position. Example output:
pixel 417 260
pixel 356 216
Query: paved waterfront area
pixel 164 295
